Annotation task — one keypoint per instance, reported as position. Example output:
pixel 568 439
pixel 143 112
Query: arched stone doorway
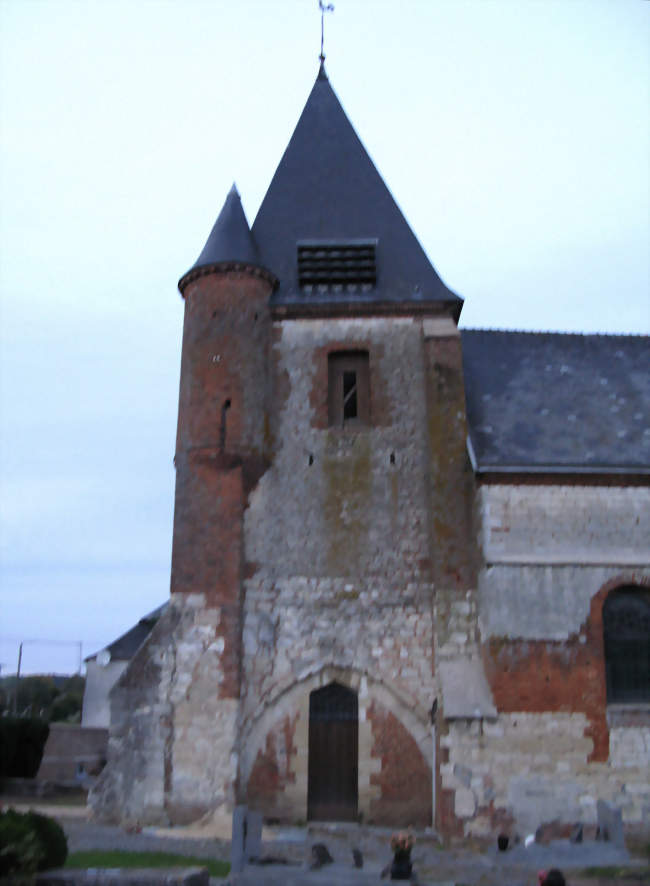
pixel 332 792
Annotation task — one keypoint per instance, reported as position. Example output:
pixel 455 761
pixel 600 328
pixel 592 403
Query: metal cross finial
pixel 329 7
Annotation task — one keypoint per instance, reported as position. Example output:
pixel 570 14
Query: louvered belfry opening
pixel 626 625
pixel 332 793
pixel 347 264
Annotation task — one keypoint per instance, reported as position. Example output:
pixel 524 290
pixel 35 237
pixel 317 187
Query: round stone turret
pixel 224 372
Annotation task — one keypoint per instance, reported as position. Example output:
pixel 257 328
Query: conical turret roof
pixel 230 241
pixel 327 189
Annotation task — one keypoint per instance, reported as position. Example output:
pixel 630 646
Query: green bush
pixel 21 746
pixel 30 842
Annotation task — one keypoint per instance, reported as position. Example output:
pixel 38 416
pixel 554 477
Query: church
pixel 411 564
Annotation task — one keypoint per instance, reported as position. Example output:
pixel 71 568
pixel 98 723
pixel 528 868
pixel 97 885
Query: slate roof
pixel 326 187
pixel 230 241
pixel 125 647
pixel 540 401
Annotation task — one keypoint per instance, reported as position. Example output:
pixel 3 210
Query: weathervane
pixel 329 7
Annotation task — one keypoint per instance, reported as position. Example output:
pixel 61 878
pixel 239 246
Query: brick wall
pixel 173 745
pixel 404 776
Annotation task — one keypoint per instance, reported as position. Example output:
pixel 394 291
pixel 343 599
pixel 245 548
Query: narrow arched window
pixel 626 626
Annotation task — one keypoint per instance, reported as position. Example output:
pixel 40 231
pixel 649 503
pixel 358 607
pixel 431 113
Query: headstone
pixel 576 834
pixel 610 822
pixel 238 842
pixel 253 842
pixel 320 856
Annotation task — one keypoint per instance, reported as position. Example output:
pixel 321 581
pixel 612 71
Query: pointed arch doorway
pixel 332 786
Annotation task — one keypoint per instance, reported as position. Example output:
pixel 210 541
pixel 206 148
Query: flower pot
pixel 401 867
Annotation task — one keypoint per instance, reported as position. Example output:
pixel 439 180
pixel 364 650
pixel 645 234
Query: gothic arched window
pixel 626 626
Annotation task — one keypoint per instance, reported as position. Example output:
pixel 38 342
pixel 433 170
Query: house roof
pixel 230 241
pixel 553 401
pixel 125 647
pixel 326 188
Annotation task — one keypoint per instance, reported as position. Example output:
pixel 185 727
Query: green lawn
pixel 95 858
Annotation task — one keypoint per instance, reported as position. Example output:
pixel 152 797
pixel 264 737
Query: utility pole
pixel 20 658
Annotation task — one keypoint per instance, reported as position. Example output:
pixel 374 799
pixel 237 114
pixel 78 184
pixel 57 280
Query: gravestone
pixel 238 842
pixel 253 840
pixel 610 822
pixel 246 842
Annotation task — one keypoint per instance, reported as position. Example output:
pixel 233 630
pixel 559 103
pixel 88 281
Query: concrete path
pixel 434 866
pixel 518 867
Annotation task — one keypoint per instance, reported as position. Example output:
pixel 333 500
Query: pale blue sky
pixel 514 134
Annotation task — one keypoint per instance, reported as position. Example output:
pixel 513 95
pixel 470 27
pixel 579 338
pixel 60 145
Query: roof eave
pixel 222 268
pixel 480 468
pixel 293 310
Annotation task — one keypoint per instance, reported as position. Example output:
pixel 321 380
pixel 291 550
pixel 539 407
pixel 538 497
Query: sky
pixel 514 135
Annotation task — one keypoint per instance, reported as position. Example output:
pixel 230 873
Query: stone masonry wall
pixel 587 525
pixel 337 551
pixel 526 769
pixel 552 554
pixel 172 752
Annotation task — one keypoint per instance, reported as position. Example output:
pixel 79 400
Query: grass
pixel 113 858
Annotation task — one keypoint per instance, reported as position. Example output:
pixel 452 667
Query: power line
pixel 7 639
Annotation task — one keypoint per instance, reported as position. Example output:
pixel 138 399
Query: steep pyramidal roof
pixel 327 188
pixel 554 401
pixel 229 242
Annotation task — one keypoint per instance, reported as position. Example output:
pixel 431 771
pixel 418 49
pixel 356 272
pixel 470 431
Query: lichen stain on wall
pixel 347 498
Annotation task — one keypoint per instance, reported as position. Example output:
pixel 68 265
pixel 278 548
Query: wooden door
pixel 332 793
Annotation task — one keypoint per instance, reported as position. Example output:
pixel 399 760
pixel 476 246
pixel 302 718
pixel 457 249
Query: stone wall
pixel 337 548
pixel 526 769
pixel 172 752
pixel 552 554
pixel 565 524
pixel 305 554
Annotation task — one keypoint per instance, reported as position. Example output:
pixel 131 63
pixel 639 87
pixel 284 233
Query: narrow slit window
pixel 349 395
pixel 349 388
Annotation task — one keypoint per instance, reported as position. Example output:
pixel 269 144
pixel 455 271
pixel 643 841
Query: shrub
pixel 21 746
pixel 30 842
